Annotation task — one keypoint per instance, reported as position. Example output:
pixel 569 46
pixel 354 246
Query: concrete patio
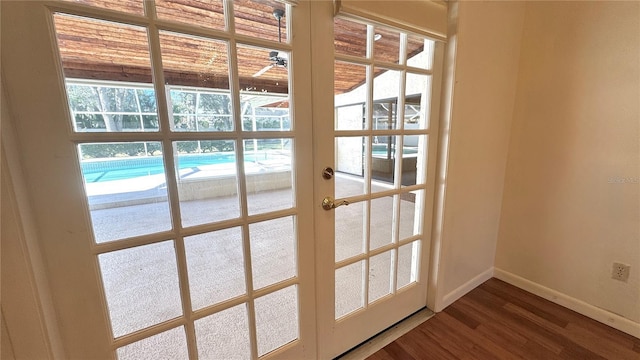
pixel 141 283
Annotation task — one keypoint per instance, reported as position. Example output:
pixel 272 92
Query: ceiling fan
pixel 274 56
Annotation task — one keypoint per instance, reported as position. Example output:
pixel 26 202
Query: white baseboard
pixel 462 290
pixel 606 317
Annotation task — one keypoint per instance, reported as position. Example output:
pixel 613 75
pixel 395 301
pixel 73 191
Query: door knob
pixel 328 203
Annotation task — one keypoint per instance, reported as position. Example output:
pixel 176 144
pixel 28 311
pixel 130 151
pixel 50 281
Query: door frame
pixel 14 152
pixel 332 339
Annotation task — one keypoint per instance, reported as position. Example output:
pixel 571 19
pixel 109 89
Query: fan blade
pixel 263 70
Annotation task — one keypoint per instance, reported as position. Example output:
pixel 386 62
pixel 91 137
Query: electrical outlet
pixel 620 272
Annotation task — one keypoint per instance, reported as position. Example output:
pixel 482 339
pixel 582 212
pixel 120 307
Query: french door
pixel 189 207
pixel 380 143
pixel 171 137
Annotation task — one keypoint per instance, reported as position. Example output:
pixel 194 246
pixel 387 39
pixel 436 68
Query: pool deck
pixel 141 283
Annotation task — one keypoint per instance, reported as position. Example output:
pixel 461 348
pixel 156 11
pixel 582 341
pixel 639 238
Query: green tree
pixel 108 106
pixel 113 99
pixel 213 106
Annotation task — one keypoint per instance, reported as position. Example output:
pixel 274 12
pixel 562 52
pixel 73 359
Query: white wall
pixel 571 201
pixel 486 71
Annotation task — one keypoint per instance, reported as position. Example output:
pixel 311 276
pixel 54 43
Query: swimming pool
pixel 380 150
pixel 111 169
pixel 127 168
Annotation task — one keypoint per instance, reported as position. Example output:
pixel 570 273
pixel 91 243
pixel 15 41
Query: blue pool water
pixel 381 149
pixel 127 168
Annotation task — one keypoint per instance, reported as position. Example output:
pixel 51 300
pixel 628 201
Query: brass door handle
pixel 328 203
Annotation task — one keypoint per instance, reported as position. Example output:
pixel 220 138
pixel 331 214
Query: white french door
pixel 178 178
pixel 373 238
pixel 166 146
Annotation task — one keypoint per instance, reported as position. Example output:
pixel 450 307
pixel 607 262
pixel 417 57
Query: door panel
pixel 187 187
pixel 381 96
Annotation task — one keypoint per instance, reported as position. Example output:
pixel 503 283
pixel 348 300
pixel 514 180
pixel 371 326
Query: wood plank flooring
pixel 499 321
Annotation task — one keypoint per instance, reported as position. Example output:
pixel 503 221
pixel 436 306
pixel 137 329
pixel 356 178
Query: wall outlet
pixel 620 272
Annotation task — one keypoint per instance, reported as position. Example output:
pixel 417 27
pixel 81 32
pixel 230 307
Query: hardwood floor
pixel 499 321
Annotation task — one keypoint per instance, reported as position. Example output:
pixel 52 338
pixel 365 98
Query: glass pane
pixel 277 319
pixel 386 85
pixel 196 72
pixel 224 335
pixel 381 226
pixel 194 61
pixel 170 344
pixel 215 265
pixel 151 122
pixel 349 166
pixel 265 112
pixel 349 84
pixel 267 168
pixel 349 225
pixel 410 214
pixel 259 18
pixel 417 102
pixel 348 185
pixel 350 117
pixel 186 11
pixel 414 163
pixel 147 98
pixel 350 37
pixel 198 110
pixel 273 251
pixel 215 107
pixel 380 273
pixel 183 107
pixel 141 286
pixel 420 52
pixel 349 289
pixel 384 115
pixel 408 262
pixel 263 71
pixel 383 162
pixel 387 46
pixel 101 50
pixel 126 189
pixel 128 6
pixel 207 181
pixel 112 106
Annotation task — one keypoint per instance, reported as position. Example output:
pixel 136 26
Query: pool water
pixel 379 150
pixel 128 168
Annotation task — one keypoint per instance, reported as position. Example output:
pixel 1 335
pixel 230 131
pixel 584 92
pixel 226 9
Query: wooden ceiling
pixel 92 49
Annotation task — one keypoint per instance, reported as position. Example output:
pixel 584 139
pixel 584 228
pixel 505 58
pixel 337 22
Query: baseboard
pixel 462 290
pixel 606 317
